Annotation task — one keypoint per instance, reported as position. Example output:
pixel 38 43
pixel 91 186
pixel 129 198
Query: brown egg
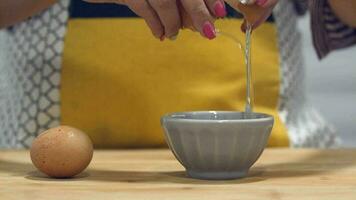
pixel 62 152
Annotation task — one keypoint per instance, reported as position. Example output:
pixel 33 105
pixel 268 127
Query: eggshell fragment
pixel 252 13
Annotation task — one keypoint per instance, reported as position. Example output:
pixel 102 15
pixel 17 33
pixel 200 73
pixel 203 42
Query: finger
pixel 186 19
pixel 216 7
pixel 104 1
pixel 120 1
pixel 266 3
pixel 168 13
pixel 246 2
pixel 201 17
pixel 144 10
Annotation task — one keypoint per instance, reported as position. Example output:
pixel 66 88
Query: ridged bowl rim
pixel 180 117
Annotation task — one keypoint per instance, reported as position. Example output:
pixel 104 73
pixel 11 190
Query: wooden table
pixel 155 174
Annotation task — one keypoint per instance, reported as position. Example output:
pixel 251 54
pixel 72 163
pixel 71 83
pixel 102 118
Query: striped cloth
pixel 329 33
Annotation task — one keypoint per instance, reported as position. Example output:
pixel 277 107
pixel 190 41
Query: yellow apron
pixel 117 80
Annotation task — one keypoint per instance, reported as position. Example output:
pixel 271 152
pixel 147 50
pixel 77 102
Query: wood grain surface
pixel 155 174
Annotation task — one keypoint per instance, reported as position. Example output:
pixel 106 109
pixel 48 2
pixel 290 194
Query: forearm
pixel 345 10
pixel 13 11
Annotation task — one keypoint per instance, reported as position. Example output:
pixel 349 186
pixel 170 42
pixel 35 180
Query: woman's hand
pixel 166 17
pixel 345 10
pixel 256 11
pixel 12 12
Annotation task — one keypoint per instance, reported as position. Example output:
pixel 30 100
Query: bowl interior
pixel 216 115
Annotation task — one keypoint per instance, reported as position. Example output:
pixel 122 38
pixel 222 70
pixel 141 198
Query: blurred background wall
pixel 331 85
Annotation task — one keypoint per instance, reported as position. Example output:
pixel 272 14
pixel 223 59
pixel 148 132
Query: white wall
pixel 331 85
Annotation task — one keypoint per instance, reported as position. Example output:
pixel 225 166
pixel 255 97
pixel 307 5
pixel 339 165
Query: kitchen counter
pixel 156 174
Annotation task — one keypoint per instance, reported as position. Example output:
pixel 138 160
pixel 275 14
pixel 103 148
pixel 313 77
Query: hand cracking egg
pixel 61 152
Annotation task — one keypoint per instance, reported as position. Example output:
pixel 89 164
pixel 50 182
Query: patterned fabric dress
pixel 30 76
pixel 30 80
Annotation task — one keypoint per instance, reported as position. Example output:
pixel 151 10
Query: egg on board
pixel 61 152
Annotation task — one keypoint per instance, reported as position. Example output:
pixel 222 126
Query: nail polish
pixel 209 30
pixel 220 10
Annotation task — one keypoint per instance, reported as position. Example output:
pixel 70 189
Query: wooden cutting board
pixel 155 174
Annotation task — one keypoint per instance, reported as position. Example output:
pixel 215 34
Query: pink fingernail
pixel 261 2
pixel 220 10
pixel 209 30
